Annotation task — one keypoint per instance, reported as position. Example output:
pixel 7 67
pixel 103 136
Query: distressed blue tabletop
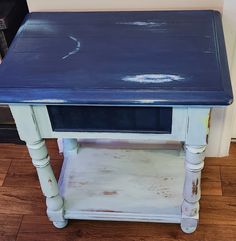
pixel 127 58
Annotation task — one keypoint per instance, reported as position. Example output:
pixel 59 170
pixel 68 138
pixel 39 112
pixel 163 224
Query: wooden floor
pixel 22 206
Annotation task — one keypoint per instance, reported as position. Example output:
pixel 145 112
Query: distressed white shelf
pixel 123 184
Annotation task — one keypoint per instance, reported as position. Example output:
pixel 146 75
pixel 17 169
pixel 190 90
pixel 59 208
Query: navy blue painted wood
pixel 124 119
pixel 118 58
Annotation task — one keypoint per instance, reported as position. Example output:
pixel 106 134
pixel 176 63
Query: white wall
pixel 225 119
pixel 89 5
pixel 221 124
pixel 229 18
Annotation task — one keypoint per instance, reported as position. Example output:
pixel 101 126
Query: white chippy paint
pixel 77 48
pixel 48 27
pixel 152 78
pixel 143 23
pixel 146 101
pixel 45 101
pixel 192 187
pixel 100 183
pixel 197 120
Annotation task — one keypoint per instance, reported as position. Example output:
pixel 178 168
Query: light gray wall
pixel 86 5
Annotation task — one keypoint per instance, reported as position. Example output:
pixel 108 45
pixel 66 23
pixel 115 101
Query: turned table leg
pixel 48 183
pixel 29 132
pixel 195 145
pixel 192 187
pixel 70 144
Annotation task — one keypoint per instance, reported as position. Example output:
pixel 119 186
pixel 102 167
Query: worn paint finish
pixel 153 78
pixel 45 101
pixel 110 193
pixel 140 184
pixel 77 48
pixel 195 187
pixel 197 120
pixel 118 58
pixel 192 193
pixel 144 23
pixel 108 178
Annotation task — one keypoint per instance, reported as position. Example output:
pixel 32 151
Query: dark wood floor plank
pixel 38 228
pixel 211 188
pixel 211 181
pixel 211 174
pixel 228 176
pixel 9 226
pixel 23 173
pixel 218 210
pixel 21 200
pixel 4 166
pixel 232 150
pixel 223 161
pixel 12 151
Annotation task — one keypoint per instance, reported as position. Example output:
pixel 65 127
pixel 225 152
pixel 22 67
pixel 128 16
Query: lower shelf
pixel 123 184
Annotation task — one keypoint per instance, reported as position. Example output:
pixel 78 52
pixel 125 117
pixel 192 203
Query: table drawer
pixel 111 119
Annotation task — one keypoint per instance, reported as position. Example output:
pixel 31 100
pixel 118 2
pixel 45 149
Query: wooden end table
pixel 147 77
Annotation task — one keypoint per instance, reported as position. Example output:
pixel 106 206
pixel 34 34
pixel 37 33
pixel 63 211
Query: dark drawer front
pixel 111 119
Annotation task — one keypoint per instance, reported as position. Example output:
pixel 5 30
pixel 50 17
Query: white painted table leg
pixel 195 145
pixel 194 162
pixel 29 132
pixel 48 183
pixel 70 144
